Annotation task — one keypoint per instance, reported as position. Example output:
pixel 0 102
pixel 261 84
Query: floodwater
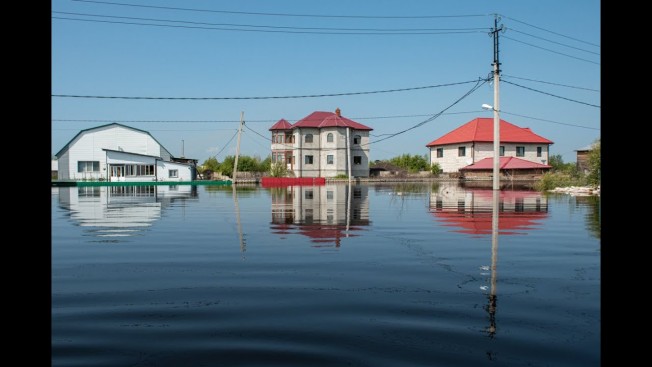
pixel 424 274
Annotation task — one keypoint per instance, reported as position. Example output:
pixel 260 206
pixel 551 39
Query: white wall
pixel 89 146
pixel 163 171
pixel 320 148
pixel 475 152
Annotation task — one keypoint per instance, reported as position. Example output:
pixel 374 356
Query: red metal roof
pixel 281 124
pixel 481 129
pixel 320 119
pixel 505 163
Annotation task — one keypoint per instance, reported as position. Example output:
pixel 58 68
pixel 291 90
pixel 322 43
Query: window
pixel 329 159
pixel 329 195
pixel 357 193
pixel 308 159
pixel 539 151
pixel 278 138
pixel 289 138
pixel 329 137
pixel 502 150
pixel 357 159
pixel 440 152
pixel 88 166
pixel 357 139
pixel 173 173
pixel 520 151
pixel 308 194
pixel 308 138
pixel 461 151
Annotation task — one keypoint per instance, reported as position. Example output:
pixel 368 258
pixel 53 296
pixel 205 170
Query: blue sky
pixel 216 51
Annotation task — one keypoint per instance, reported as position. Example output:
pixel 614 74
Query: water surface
pixel 367 275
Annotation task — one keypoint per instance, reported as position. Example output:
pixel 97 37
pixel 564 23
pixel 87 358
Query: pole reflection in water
pixel 491 307
pixel 243 245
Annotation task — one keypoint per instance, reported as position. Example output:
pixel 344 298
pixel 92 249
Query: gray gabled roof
pixel 63 150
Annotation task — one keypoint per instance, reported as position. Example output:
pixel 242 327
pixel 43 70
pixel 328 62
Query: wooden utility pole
pixel 237 148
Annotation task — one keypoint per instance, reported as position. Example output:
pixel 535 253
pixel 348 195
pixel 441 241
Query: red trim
pixel 292 181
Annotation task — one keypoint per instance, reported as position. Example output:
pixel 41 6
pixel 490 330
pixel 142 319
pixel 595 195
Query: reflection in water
pixel 491 307
pixel 326 214
pixel 592 216
pixel 471 209
pixel 243 245
pixel 120 211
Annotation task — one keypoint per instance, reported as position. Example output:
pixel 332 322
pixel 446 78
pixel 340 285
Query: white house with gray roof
pixel 119 153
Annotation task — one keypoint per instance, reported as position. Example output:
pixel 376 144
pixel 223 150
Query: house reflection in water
pixel 325 214
pixel 120 211
pixel 469 210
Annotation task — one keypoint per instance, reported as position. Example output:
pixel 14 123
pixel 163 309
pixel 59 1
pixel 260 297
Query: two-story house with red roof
pixel 322 144
pixel 472 144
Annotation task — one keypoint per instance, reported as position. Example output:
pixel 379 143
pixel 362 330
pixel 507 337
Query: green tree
pixel 594 176
pixel 412 163
pixel 211 164
pixel 557 162
pixel 435 168
pixel 278 169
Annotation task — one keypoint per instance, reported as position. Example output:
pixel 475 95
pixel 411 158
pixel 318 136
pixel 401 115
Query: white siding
pixel 451 162
pixel 475 152
pixel 89 147
pixel 163 171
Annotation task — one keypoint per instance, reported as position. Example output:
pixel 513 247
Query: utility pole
pixel 495 32
pixel 237 148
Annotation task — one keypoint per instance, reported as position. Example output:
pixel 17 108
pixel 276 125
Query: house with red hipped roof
pixel 322 144
pixel 470 149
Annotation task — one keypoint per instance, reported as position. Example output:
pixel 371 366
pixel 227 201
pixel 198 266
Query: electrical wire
pixel 285 14
pixel 276 27
pixel 268 120
pixel 552 95
pixel 557 43
pixel 549 31
pixel 541 81
pixel 268 97
pixel 555 122
pixel 479 83
pixel 225 145
pixel 553 51
pixel 265 31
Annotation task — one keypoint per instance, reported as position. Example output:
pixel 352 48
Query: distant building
pixel 322 144
pixel 116 152
pixel 474 141
pixel 583 158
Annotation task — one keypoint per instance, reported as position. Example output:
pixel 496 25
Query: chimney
pixel 337 112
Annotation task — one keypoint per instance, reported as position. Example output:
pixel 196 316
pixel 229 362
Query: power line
pixel 541 81
pixel 549 50
pixel 549 31
pixel 473 89
pixel 276 27
pixel 226 145
pixel 265 31
pixel 557 43
pixel 555 122
pixel 267 120
pixel 286 14
pixel 167 121
pixel 552 95
pixel 268 97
